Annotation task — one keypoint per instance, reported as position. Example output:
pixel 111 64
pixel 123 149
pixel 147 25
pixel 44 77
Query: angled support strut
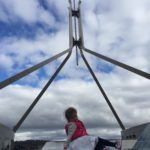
pixel 80 44
pixel 103 92
pixel 122 65
pixel 16 127
pixel 30 70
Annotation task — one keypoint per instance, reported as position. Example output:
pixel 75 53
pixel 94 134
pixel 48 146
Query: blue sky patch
pixel 23 30
pixel 52 9
pixel 104 67
pixel 3 75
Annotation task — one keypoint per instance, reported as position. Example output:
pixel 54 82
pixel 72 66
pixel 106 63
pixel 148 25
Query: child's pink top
pixel 74 130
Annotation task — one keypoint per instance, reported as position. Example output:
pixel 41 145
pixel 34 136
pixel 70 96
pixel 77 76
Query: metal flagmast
pixel 75 40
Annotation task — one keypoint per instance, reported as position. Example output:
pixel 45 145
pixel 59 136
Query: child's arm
pixel 71 129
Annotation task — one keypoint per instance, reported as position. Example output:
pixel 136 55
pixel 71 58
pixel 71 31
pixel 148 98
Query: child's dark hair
pixel 69 112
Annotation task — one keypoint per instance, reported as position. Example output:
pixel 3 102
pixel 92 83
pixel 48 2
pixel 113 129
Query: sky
pixel 34 30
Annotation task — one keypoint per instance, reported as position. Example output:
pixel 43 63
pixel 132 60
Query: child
pixel 78 138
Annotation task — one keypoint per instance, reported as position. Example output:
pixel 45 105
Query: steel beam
pixel 80 25
pixel 120 64
pixel 75 27
pixel 103 92
pixel 17 126
pixel 30 70
pixel 70 25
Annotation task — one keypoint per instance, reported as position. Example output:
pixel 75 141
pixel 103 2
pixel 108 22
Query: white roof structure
pixel 137 137
pixel 53 146
pixel 6 137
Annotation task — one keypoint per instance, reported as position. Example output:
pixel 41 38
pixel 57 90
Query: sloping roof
pixel 6 132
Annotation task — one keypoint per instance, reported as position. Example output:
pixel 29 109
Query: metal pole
pixel 71 28
pixel 80 26
pixel 103 92
pixel 75 26
pixel 16 127
pixel 122 65
pixel 70 25
pixel 30 70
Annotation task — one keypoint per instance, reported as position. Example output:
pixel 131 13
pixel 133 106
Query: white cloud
pixel 120 31
pixel 3 16
pixel 86 97
pixel 30 52
pixel 59 7
pixel 29 11
pixel 6 62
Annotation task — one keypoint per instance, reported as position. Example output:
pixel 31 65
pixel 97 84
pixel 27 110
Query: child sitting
pixel 78 138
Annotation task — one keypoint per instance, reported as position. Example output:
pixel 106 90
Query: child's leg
pixel 102 143
pixel 99 146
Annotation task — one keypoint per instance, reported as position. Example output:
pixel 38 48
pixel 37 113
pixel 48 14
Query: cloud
pixel 28 11
pixel 85 96
pixel 8 62
pixel 24 53
pixel 58 8
pixel 119 31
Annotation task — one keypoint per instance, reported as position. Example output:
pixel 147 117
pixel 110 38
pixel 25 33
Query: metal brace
pixel 77 42
pixel 75 13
